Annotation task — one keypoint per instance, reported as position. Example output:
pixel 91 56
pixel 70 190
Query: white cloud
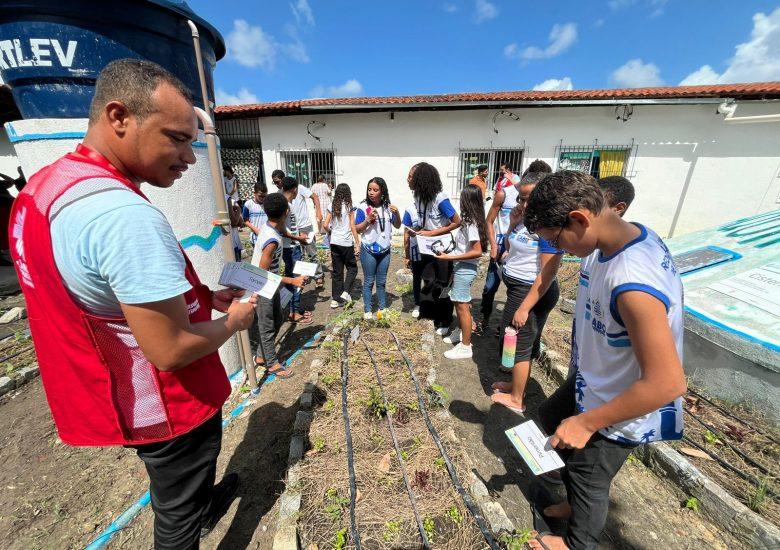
pixel 555 84
pixel 657 6
pixel 250 46
pixel 241 97
pixel 598 23
pixel 636 74
pixel 561 39
pixel 350 88
pixel 754 61
pixel 484 11
pixel 449 7
pixel 294 48
pixel 302 12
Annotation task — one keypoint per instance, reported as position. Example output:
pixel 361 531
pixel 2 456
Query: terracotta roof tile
pixel 754 90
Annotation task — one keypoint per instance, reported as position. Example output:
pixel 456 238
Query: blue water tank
pixel 51 51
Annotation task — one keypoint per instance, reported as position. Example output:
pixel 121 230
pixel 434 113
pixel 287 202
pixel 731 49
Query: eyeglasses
pixel 554 242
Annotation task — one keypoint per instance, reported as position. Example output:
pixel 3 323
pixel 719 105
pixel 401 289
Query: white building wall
pixel 730 171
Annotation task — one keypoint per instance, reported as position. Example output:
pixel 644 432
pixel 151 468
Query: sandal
pixel 319 283
pixel 280 372
pixel 501 387
pixel 302 320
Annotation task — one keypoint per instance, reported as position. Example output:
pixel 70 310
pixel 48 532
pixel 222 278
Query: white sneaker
pixel 460 351
pixel 368 316
pixel 345 296
pixel 416 312
pixel 334 304
pixel 453 337
pixel 442 331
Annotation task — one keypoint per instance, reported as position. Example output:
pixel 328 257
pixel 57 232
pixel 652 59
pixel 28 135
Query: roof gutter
pixel 516 103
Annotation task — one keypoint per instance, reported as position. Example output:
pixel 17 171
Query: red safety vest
pixel 101 388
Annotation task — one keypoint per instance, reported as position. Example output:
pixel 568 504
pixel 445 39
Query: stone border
pixel 21 377
pixel 286 537
pixel 717 504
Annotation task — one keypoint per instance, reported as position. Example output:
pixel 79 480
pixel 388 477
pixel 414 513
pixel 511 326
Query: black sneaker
pixel 224 493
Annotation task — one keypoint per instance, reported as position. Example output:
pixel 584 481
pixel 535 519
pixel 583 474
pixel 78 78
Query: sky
pixel 297 49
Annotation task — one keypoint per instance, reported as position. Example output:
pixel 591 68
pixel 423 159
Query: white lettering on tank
pixel 8 49
pixel 40 52
pixel 20 60
pixel 65 58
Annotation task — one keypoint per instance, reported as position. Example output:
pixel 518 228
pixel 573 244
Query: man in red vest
pixel 122 326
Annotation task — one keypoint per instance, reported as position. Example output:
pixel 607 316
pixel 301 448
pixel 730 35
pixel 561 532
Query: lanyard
pixel 423 215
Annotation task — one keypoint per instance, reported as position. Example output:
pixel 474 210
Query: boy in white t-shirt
pixel 254 211
pixel 627 348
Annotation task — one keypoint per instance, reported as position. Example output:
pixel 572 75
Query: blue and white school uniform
pixel 604 359
pixel 501 223
pixel 436 214
pixel 254 213
pixel 464 271
pixel 377 237
pixel 267 236
pixel 412 220
pixel 523 261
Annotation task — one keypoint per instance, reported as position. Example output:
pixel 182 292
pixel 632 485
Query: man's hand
pixel 240 316
pixel 425 232
pixel 572 433
pixel 221 299
pixel 298 281
pixel 520 318
pixel 372 216
pixel 394 209
pixel 357 251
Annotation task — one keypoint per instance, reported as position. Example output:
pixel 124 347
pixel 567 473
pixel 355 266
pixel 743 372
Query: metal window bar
pixel 307 165
pixel 470 158
pixel 239 133
pixel 587 158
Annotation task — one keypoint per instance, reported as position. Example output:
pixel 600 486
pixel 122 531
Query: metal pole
pixel 223 218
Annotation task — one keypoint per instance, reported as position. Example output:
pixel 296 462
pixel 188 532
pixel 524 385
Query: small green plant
pixel 692 504
pixel 711 438
pixel 388 317
pixel 437 396
pixel 632 459
pixel 417 444
pixel 244 388
pixel 377 439
pixel 405 455
pixel 429 526
pixel 439 463
pixel 392 530
pixel 516 541
pixel 340 539
pixel 454 515
pixel 334 504
pixel 376 403
pixel 329 379
pixel 319 444
pixel 329 404
pixel 405 288
pixel 9 368
pixel 756 498
pixel 20 336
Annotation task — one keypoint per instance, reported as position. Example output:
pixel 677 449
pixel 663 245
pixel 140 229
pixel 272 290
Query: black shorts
pixel 529 336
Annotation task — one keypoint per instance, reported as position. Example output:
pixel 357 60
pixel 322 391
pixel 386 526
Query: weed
pixel 20 336
pixel 516 541
pixel 711 438
pixel 417 444
pixel 329 404
pixel 377 439
pixel 632 459
pixel 340 539
pixel 692 504
pixel 413 406
pixel 9 368
pixel 429 526
pixel 376 403
pixel 422 479
pixel 388 317
pixel 437 396
pixel 404 288
pixel 334 504
pixel 244 388
pixel 454 515
pixel 439 463
pixel 329 379
pixel 392 530
pixel 756 498
pixel 319 444
pixel 405 455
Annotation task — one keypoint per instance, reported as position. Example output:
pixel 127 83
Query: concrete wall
pixel 8 161
pixel 729 170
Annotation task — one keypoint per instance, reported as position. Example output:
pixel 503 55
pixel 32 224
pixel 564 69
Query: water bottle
pixel 510 344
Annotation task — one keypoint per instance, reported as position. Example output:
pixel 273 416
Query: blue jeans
pixel 375 268
pixel 492 282
pixel 289 257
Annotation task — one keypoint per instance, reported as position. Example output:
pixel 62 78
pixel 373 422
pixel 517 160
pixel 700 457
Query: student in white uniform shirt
pixel 254 211
pixel 629 343
pixel 470 240
pixel 344 244
pixel 530 266
pixel 374 219
pixel 436 217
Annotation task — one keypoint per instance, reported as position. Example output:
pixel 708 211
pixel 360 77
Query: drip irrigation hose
pixel 728 466
pixel 350 450
pixel 468 501
pixel 25 350
pixel 733 416
pixel 389 417
pixel 718 433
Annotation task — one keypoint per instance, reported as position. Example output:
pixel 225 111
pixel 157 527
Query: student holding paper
pixel 268 251
pixel 344 244
pixel 375 219
pixel 627 347
pixel 436 217
pixel 292 242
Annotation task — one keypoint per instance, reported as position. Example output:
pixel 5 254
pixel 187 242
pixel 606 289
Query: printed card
pixel 534 447
pixel 307 269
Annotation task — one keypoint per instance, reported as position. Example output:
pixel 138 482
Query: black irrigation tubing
pixel 728 466
pixel 732 415
pixel 25 350
pixel 350 450
pixel 450 468
pixel 398 453
pixel 717 432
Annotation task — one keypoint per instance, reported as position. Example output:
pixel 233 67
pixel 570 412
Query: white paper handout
pixel 309 269
pixel 759 287
pixel 284 297
pixel 534 447
pixel 251 278
pixel 430 245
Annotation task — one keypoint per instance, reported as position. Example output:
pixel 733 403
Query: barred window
pixel 597 160
pixel 470 159
pixel 308 165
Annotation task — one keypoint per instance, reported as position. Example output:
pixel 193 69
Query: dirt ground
pixel 54 496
